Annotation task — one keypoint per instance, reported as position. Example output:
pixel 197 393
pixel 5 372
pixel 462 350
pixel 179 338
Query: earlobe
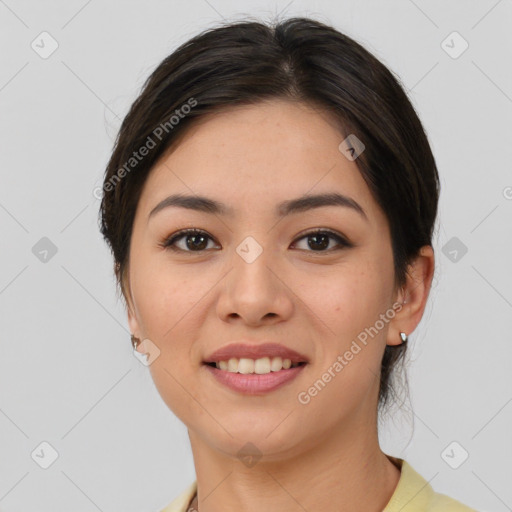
pixel 415 294
pixel 134 329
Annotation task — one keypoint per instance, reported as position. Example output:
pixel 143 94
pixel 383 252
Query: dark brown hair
pixel 297 59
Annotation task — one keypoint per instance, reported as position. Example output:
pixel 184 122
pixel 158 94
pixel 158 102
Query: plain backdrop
pixel 73 396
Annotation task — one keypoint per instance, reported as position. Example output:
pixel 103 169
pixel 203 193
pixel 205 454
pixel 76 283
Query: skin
pixel 323 455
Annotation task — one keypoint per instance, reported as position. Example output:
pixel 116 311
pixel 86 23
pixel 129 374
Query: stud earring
pixel 135 342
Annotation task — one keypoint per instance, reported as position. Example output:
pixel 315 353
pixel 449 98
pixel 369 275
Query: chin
pixel 246 439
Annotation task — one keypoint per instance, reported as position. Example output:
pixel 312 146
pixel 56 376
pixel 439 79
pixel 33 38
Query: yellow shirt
pixel 412 494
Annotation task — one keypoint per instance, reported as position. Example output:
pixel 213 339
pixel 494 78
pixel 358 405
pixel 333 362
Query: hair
pixel 297 59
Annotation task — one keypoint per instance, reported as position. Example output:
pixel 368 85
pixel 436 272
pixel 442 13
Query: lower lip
pixel 253 383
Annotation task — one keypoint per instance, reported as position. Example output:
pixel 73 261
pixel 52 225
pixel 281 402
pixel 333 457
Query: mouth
pixel 244 357
pixel 254 369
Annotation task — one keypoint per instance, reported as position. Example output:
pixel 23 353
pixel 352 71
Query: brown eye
pixel 195 240
pixel 319 240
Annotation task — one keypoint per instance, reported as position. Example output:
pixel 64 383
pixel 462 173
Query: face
pixel 263 270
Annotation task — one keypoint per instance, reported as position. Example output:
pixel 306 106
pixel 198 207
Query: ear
pixel 413 296
pixel 133 323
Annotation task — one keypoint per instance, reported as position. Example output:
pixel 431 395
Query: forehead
pixel 258 155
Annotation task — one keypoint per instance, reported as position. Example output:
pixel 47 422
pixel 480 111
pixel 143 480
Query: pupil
pixel 194 245
pixel 316 237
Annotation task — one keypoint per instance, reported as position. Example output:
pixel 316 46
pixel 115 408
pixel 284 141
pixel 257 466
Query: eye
pixel 320 239
pixel 196 240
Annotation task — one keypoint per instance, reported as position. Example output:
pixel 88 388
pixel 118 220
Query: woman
pixel 270 203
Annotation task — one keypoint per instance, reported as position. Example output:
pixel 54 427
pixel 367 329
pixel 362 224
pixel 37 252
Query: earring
pixel 135 342
pixel 404 337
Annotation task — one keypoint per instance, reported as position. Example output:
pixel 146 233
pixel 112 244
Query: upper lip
pixel 253 351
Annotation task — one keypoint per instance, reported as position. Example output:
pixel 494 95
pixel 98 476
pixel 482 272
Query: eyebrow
pixel 291 206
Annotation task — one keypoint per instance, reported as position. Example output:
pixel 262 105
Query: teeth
pixel 232 365
pixel 276 364
pixel 258 366
pixel 262 365
pixel 246 366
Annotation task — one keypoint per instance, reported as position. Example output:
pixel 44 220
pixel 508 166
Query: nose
pixel 255 291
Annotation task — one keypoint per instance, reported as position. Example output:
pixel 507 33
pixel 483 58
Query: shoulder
pixel 181 502
pixel 414 494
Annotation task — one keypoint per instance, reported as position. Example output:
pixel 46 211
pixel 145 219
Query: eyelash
pixel 169 242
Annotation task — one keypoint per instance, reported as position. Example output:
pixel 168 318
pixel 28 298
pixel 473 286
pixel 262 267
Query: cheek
pixel 348 299
pixel 172 303
pixel 161 297
pixel 168 306
pixel 348 304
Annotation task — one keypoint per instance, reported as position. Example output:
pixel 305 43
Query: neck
pixel 344 471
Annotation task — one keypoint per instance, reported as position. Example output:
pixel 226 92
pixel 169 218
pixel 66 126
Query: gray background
pixel 67 373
